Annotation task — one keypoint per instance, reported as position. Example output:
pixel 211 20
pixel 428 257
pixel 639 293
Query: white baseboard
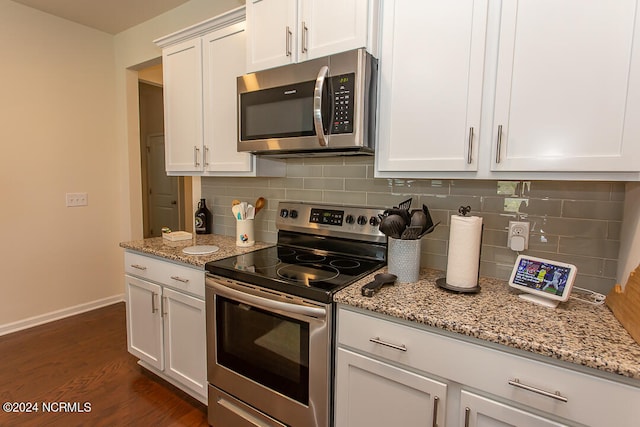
pixel 58 314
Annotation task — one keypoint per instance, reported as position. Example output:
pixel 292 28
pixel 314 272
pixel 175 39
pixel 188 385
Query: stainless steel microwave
pixel 322 107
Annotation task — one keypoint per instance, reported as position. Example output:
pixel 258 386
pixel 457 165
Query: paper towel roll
pixel 463 259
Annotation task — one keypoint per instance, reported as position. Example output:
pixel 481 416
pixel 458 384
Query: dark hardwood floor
pixel 84 360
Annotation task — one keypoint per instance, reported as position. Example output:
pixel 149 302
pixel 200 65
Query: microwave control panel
pixel 343 92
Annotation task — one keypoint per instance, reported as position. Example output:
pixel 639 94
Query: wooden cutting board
pixel 626 305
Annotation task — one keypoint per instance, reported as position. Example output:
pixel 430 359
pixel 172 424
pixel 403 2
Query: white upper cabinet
pixel 431 73
pixel 200 67
pixel 518 89
pixel 182 90
pixel 281 32
pixel 567 92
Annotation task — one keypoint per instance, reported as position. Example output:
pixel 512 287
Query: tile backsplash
pixel 572 221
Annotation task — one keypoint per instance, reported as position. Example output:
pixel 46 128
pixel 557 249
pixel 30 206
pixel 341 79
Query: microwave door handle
pixel 317 106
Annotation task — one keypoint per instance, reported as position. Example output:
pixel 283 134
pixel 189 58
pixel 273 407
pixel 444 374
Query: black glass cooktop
pixel 305 273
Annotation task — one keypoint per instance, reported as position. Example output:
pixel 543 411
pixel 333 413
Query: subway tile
pixel 452 203
pixel 324 183
pixel 498 255
pixel 618 191
pixel 586 265
pixel 421 186
pixel 597 248
pixel 345 198
pixel 297 170
pixel 351 171
pixel 569 227
pixel 382 200
pixel 474 187
pixel 598 284
pixel 434 246
pixel 286 182
pixel 324 161
pixel 570 190
pixel 437 262
pixel 543 242
pixel 610 269
pixel 367 185
pixel 592 210
pixel 304 195
pixel 494 237
pixel 614 230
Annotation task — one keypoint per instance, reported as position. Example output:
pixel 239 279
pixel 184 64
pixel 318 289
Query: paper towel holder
pixel 442 282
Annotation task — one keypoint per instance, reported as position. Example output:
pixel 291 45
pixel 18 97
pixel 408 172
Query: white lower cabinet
pixel 374 393
pixel 166 321
pixel 479 411
pixel 390 372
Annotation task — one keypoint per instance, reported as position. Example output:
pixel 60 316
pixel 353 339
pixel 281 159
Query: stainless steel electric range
pixel 270 316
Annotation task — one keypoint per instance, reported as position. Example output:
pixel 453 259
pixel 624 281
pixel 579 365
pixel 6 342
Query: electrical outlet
pixel 77 199
pixel 518 239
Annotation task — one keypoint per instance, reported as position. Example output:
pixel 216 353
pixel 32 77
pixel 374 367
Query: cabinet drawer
pixel 590 400
pixel 180 277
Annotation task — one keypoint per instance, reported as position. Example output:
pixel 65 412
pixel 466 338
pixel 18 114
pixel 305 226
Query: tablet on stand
pixel 545 282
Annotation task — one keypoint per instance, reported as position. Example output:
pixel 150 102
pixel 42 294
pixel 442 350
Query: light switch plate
pixel 77 199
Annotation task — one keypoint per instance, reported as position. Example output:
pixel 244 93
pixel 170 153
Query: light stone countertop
pixel 163 248
pixel 575 332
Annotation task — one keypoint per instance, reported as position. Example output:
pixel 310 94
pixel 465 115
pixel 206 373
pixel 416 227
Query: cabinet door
pixel 431 73
pixel 272 31
pixel 144 321
pixel 478 411
pixel 184 337
pixel 567 90
pixel 372 393
pixel 330 26
pixel 223 60
pixel 182 76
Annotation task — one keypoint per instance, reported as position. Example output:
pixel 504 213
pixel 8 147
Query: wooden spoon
pixel 260 203
pixel 235 202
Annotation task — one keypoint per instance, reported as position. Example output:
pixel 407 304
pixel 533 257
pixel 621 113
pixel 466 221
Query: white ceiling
pixel 110 16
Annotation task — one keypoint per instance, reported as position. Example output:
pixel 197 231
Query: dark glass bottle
pixel 203 218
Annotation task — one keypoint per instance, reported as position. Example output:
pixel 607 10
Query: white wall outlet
pixel 518 239
pixel 77 199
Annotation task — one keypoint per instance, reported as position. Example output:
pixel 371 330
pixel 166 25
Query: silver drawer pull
pixel 436 400
pixel 377 340
pixel 139 267
pixel 516 383
pixel 180 279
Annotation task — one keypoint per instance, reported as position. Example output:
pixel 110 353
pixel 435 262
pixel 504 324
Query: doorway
pixel 163 197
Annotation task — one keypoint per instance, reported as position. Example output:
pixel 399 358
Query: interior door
pixel 164 206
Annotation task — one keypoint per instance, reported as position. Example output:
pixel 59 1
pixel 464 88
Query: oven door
pixel 271 351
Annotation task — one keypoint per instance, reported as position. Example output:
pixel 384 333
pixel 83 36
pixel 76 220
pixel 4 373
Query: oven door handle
pixel 267 304
pixel 323 140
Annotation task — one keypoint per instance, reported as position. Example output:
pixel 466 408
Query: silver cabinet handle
pixel 317 106
pixel 499 144
pixel 470 145
pixel 305 34
pixel 557 396
pixel 139 267
pixel 180 279
pixel 377 340
pixel 467 413
pixel 287 43
pixel 436 400
pixel 153 303
pixel 196 155
pixel 205 159
pixel 163 312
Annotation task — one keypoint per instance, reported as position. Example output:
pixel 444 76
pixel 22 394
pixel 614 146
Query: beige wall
pixel 57 135
pixel 68 125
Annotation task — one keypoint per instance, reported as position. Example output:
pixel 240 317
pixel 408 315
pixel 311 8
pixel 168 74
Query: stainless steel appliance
pixel 325 106
pixel 270 316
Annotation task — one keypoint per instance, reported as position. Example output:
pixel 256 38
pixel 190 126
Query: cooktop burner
pixel 321 249
pixel 297 271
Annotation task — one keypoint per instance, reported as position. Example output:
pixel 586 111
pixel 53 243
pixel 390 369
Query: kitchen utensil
pixel 411 233
pixel 425 209
pixel 397 211
pixel 419 219
pixel 379 280
pixel 393 226
pixel 406 205
pixel 235 202
pixel 243 210
pixel 260 203
pixel 251 212
pixel 429 230
pixel 237 211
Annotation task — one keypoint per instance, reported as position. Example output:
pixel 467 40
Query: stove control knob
pixel 374 221
pixel 350 219
pixel 293 214
pixel 284 213
pixel 362 220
